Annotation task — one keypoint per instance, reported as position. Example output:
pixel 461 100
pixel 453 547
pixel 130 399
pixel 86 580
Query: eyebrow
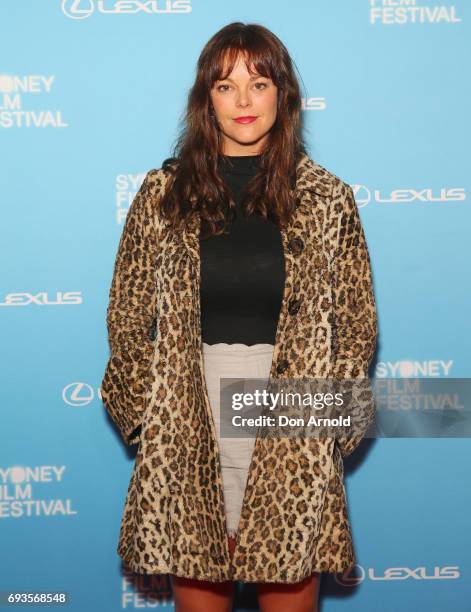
pixel 253 78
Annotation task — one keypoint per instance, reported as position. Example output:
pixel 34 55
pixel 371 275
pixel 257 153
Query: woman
pixel 240 257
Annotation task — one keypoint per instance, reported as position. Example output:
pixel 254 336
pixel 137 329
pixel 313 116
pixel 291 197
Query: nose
pixel 243 99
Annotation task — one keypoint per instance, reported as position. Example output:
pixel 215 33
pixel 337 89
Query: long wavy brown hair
pixel 195 183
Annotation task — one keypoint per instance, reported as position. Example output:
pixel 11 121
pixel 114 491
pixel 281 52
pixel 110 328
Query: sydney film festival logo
pixel 33 491
pixel 32 89
pixel 412 12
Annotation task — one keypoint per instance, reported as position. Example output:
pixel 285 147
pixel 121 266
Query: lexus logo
pixel 77 9
pixel 362 195
pixel 81 9
pixel 78 394
pixel 353 577
pixel 448 572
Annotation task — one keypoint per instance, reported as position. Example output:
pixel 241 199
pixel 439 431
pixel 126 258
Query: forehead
pixel 237 63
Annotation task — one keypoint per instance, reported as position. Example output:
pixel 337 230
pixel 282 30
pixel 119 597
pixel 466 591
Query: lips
pixel 244 120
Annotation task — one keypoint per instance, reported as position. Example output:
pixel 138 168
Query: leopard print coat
pixel 294 518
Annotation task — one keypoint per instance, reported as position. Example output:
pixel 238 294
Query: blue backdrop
pixel 91 94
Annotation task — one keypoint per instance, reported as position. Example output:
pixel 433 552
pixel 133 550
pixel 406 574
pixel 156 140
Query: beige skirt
pixel 233 361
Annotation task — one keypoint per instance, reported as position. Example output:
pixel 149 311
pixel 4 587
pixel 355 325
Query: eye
pixel 219 87
pixel 263 84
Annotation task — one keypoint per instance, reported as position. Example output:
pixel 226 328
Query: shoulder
pixel 338 195
pixel 152 189
pixel 318 178
pixel 156 179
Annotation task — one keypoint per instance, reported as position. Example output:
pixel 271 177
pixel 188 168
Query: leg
pixel 300 597
pixel 203 596
pixel 231 541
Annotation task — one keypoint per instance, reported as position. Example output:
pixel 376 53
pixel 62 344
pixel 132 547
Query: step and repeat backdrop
pixel 92 93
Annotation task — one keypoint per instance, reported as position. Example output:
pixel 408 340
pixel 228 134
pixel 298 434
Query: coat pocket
pixel 124 388
pixel 185 527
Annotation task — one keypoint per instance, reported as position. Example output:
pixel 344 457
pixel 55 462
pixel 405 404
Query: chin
pixel 247 138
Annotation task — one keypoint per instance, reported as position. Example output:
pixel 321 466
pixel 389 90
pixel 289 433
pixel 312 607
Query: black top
pixel 242 272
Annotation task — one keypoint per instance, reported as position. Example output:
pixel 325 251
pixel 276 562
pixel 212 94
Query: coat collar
pixel 311 178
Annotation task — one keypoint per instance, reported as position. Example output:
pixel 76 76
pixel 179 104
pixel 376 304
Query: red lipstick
pixel 247 119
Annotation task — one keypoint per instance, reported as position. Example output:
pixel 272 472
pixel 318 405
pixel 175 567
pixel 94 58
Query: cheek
pixel 270 104
pixel 221 105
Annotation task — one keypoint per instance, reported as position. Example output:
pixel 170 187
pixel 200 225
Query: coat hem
pixel 231 575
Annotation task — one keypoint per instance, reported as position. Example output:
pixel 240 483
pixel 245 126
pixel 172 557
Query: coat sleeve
pixel 131 316
pixel 355 322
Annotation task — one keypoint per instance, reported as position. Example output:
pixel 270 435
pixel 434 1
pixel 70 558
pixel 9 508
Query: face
pixel 243 95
